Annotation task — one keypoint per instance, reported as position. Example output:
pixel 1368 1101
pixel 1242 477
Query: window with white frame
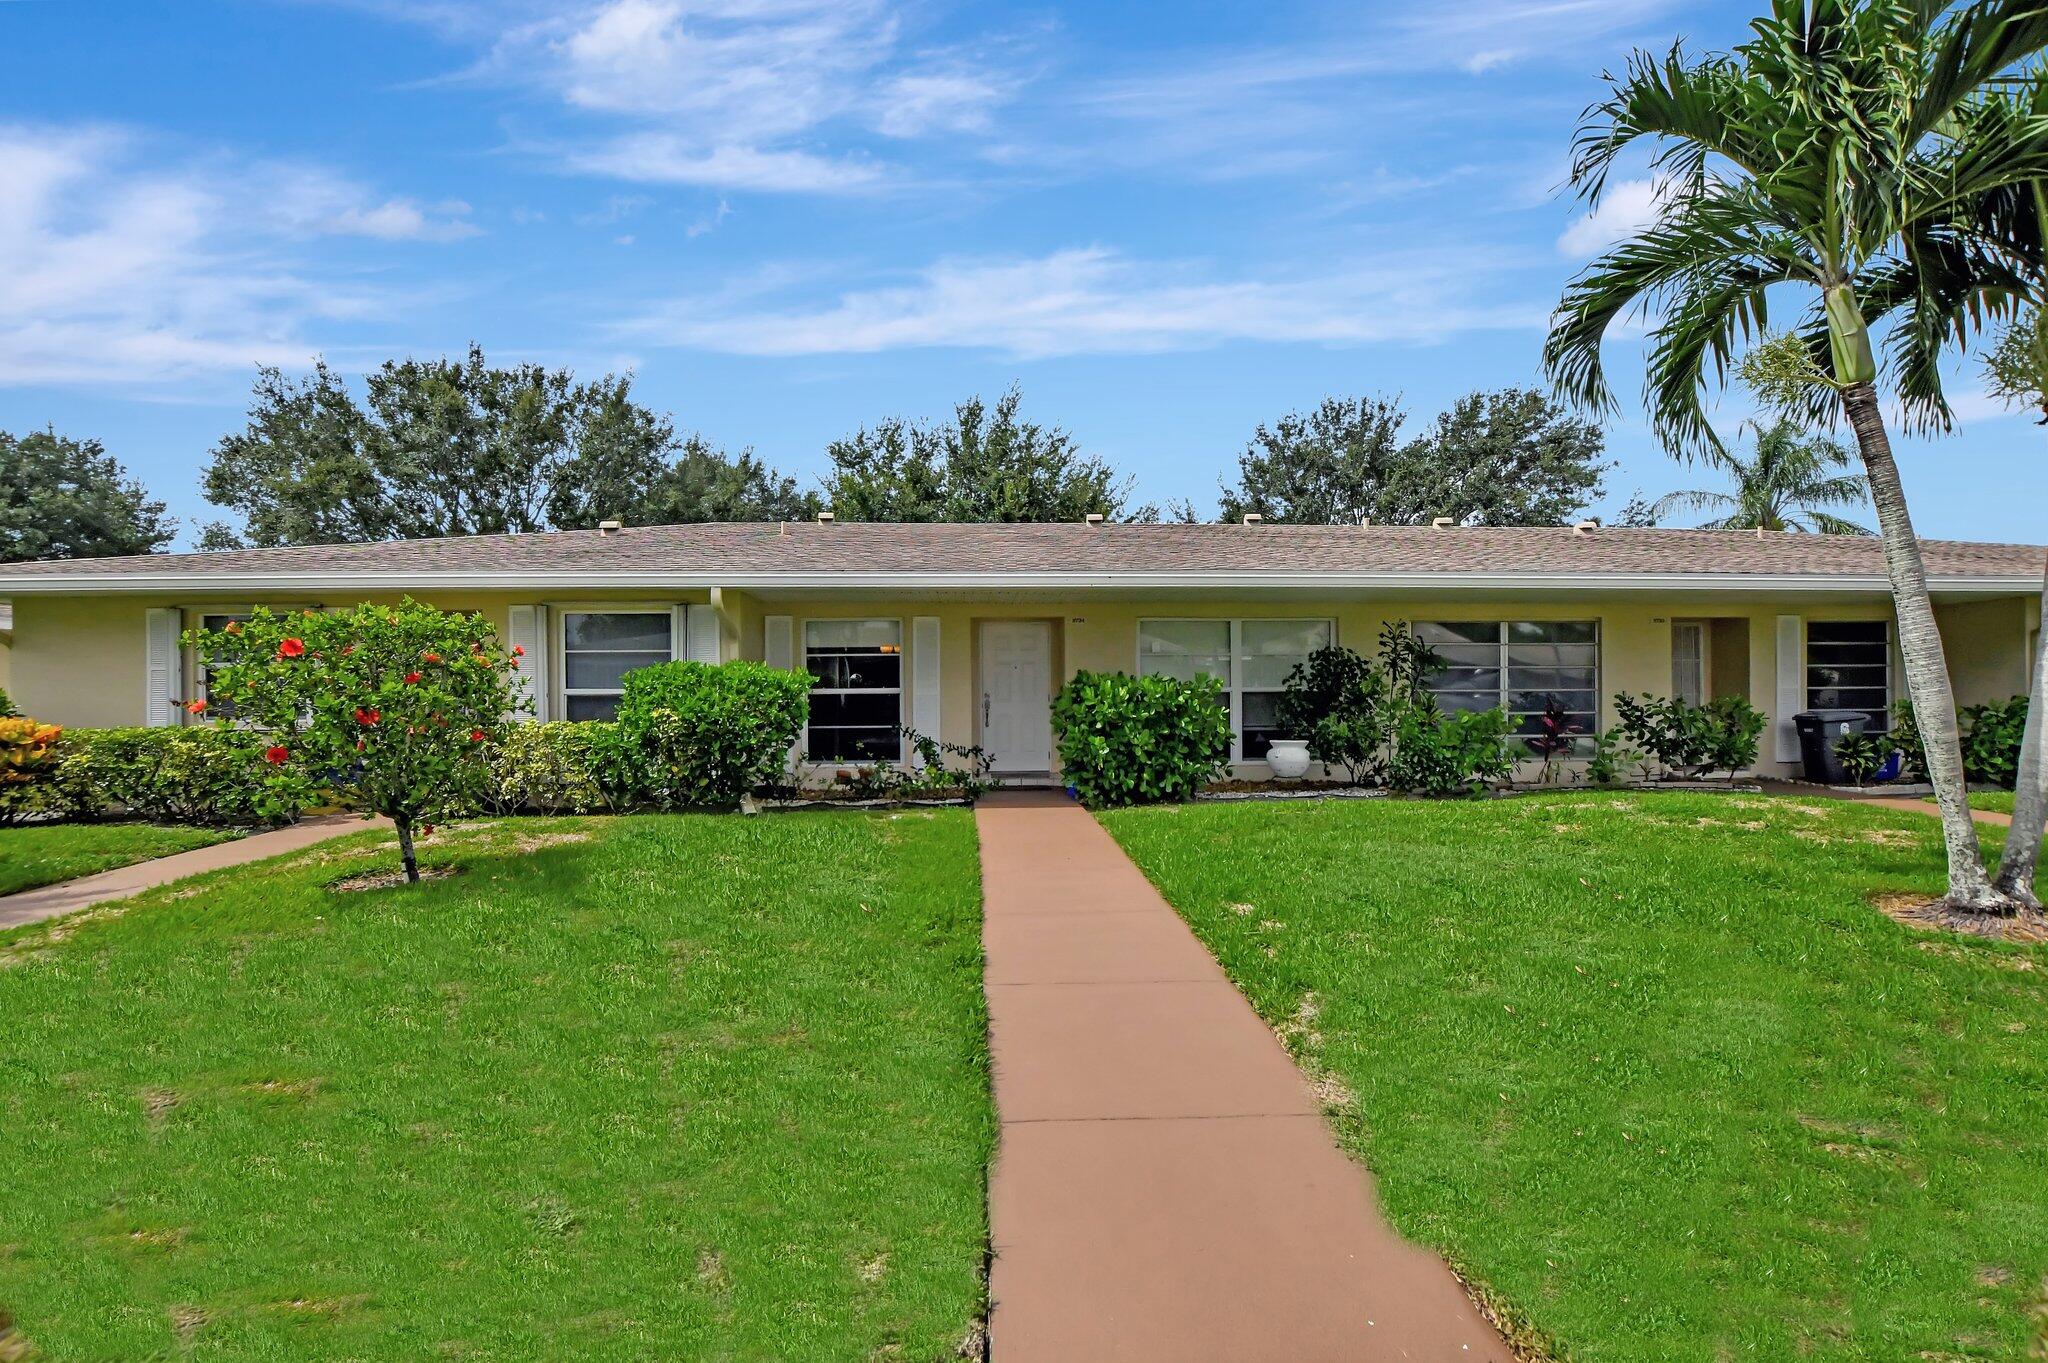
pixel 1849 667
pixel 599 647
pixel 202 674
pixel 1524 667
pixel 856 669
pixel 1250 657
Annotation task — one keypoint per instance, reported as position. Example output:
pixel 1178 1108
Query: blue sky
pixel 1166 222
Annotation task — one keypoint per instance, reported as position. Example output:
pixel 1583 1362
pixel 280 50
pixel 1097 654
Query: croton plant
pixel 382 709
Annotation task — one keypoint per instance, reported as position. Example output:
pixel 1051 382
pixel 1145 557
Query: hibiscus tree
pixel 382 709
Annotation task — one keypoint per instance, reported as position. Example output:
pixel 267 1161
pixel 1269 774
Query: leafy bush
pixel 388 709
pixel 28 760
pixel 1992 734
pixel 561 767
pixel 1721 735
pixel 1610 756
pixel 1862 755
pixel 208 776
pixel 7 710
pixel 1345 707
pixel 951 771
pixel 1905 736
pixel 707 735
pixel 1128 740
pixel 1439 754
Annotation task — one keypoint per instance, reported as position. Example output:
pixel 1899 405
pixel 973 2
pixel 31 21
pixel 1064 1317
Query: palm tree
pixel 1816 154
pixel 1783 486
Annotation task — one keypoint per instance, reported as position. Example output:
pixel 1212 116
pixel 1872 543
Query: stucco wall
pixel 80 660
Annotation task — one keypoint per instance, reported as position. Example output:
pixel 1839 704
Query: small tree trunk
pixel 1934 700
pixel 412 865
pixel 2016 869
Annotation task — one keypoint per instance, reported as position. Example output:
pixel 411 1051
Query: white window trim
pixel 1236 689
pixel 1599 625
pixel 558 629
pixel 1893 664
pixel 802 649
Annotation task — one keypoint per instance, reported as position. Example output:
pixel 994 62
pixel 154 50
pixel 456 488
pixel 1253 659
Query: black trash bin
pixel 1819 730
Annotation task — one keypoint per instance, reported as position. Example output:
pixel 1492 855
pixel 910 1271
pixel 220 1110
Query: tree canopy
pixel 1792 480
pixel 66 498
pixel 1508 457
pixel 986 464
pixel 447 447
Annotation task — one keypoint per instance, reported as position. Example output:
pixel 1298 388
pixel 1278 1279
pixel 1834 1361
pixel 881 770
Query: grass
pixel 1651 1067
pixel 668 1087
pixel 2000 800
pixel 43 854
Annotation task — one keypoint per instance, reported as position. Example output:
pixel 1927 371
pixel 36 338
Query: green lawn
pixel 2000 800
pixel 689 1087
pixel 1650 1066
pixel 43 854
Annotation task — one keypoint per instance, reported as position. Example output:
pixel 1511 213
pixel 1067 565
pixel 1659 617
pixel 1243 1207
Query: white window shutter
pixel 702 633
pixel 1791 685
pixel 164 667
pixel 924 675
pixel 778 641
pixel 526 627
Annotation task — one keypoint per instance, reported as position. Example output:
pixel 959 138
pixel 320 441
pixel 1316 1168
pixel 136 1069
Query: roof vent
pixel 1093 518
pixel 1253 518
pixel 1443 523
pixel 1584 527
pixel 824 518
pixel 610 527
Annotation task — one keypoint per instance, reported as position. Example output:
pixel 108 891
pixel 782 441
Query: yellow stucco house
pixel 964 632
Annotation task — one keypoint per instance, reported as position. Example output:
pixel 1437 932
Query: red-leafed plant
pixel 385 708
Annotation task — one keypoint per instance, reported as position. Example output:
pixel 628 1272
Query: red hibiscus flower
pixel 476 735
pixel 291 648
pixel 430 657
pixel 232 627
pixel 513 664
pixel 360 745
pixel 197 707
pixel 277 757
pixel 518 651
pixel 412 679
pixel 368 718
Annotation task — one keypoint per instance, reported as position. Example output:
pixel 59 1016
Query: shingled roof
pixel 769 553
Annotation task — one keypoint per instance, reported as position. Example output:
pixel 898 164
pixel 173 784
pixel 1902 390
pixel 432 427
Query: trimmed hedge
pixel 706 735
pixel 1128 740
pixel 561 767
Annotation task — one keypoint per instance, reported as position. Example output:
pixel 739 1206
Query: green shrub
pixel 28 761
pixel 388 709
pixel 946 771
pixel 1905 736
pixel 7 710
pixel 207 776
pixel 562 767
pixel 1346 708
pixel 1438 754
pixel 1721 735
pixel 1862 755
pixel 707 735
pixel 1992 734
pixel 1611 756
pixel 1128 740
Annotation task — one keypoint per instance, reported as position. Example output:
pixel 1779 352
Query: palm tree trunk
pixel 2022 857
pixel 1934 700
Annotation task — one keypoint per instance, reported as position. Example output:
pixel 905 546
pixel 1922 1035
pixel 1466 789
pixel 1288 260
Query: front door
pixel 1689 661
pixel 1016 694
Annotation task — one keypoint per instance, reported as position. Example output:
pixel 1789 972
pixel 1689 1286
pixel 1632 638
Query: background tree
pixel 985 465
pixel 65 498
pixel 1787 483
pixel 445 447
pixel 1821 152
pixel 1511 457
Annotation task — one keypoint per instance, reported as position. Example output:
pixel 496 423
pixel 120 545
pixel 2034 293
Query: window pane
pixel 1553 632
pixel 1291 637
pixel 591 707
pixel 1485 679
pixel 860 708
pixel 1847 631
pixel 861 635
pixel 1581 656
pixel 1468 655
pixel 1184 649
pixel 1458 631
pixel 1467 700
pixel 603 671
pixel 824 744
pixel 1550 679
pixel 1537 701
pixel 857 671
pixel 1261 709
pixel 632 631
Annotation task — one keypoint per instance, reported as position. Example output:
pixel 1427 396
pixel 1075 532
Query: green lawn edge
pixel 34 855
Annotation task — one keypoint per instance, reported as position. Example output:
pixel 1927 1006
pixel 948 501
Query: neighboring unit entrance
pixel 1016 694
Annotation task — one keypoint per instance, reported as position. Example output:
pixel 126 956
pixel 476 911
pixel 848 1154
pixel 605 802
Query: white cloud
pixel 1479 36
pixel 663 158
pixel 1087 301
pixel 114 268
pixel 1625 209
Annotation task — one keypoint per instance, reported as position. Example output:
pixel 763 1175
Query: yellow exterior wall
pixel 80 660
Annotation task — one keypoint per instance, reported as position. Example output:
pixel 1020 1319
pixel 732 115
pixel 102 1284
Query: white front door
pixel 1016 694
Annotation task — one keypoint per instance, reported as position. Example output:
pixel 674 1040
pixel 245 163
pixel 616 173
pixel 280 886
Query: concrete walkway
pixel 1911 804
pixel 1166 1187
pixel 124 882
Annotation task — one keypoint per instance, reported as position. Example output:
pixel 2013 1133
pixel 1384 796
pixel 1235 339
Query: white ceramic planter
pixel 1288 757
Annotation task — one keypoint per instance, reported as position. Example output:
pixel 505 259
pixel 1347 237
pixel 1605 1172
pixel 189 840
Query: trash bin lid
pixel 1827 716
